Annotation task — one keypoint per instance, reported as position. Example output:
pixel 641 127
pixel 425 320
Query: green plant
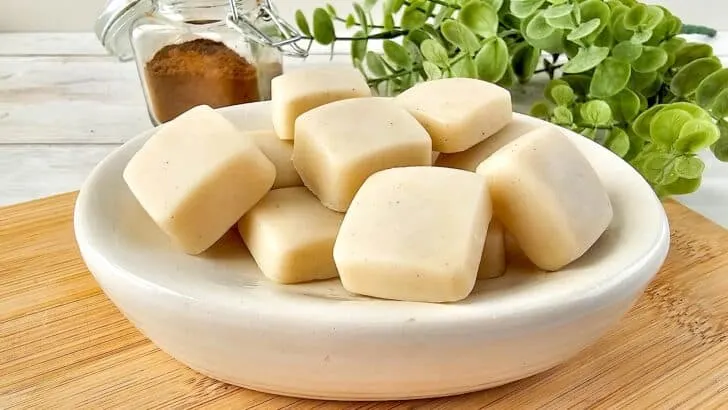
pixel 619 73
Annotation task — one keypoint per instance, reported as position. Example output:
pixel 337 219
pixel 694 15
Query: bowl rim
pixel 633 278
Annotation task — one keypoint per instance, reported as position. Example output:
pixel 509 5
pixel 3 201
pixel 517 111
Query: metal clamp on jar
pixel 194 52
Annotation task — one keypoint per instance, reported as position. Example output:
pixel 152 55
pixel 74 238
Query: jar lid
pixel 113 25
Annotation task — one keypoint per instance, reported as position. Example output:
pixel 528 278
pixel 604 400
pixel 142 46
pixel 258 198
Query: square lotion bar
pixel 414 234
pixel 197 176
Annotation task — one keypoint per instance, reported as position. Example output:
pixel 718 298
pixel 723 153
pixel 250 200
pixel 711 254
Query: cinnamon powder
pixel 200 71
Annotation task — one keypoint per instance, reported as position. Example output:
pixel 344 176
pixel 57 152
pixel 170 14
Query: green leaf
pixel 564 22
pixel 641 36
pixel 586 59
pixel 302 23
pixel 558 11
pixel 651 59
pixel 392 6
pixel 361 17
pixel 553 43
pixel 694 110
pixel 691 52
pixel 492 60
pixel 719 109
pixel 563 95
pixel 653 17
pixel 627 51
pixel 673 44
pixel 596 113
pixel 369 4
pixel 643 101
pixel 323 27
pixel 524 8
pixel 432 71
pixel 397 54
pixel 550 87
pixel 508 78
pixel 641 125
pixel 625 105
pixel 388 22
pixel 720 148
pixel 709 89
pixel 413 17
pixel 688 78
pixel 590 133
pixel 541 110
pixel 359 47
pixel 610 77
pixel 641 81
pixel 636 146
pixel 635 16
pixel 682 186
pixel 480 18
pixel 350 21
pixel 538 28
pixel 618 142
pixel 465 68
pixel 620 32
pixel 579 83
pixel 656 165
pixel 595 9
pixel 563 116
pixel 434 51
pixel 666 125
pixel 330 9
pixel 584 30
pixel 458 34
pixel 375 64
pixel 697 135
pixel 525 60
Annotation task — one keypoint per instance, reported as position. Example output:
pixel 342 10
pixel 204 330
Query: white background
pixel 79 15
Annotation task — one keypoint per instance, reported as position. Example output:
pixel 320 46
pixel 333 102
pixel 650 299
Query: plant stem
pixel 696 29
pixel 396 74
pixel 379 36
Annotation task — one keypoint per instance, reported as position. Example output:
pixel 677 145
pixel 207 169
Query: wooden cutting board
pixel 64 345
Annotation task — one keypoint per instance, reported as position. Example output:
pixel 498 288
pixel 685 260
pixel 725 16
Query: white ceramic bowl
pixel 218 315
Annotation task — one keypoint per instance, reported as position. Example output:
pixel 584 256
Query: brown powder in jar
pixel 201 71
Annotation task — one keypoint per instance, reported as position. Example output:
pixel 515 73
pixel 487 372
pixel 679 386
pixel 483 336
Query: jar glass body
pixel 187 55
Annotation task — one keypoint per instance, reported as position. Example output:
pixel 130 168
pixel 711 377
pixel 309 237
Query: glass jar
pixel 194 52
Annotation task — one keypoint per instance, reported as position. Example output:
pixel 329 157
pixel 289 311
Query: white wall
pixel 79 15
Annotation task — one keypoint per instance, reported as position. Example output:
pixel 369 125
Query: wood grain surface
pixel 64 345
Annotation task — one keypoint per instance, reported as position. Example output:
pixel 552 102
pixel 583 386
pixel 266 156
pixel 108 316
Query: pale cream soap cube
pixel 340 144
pixel 458 112
pixel 196 176
pixel 301 90
pixel 415 234
pixel 548 196
pixel 493 260
pixel 473 156
pixel 291 236
pixel 280 152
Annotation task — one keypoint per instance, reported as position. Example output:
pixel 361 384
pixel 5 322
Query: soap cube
pixel 472 157
pixel 196 176
pixel 280 153
pixel 414 234
pixel 301 90
pixel 340 144
pixel 291 236
pixel 458 112
pixel 493 260
pixel 548 196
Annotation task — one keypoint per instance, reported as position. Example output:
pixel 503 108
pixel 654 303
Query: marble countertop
pixel 65 104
